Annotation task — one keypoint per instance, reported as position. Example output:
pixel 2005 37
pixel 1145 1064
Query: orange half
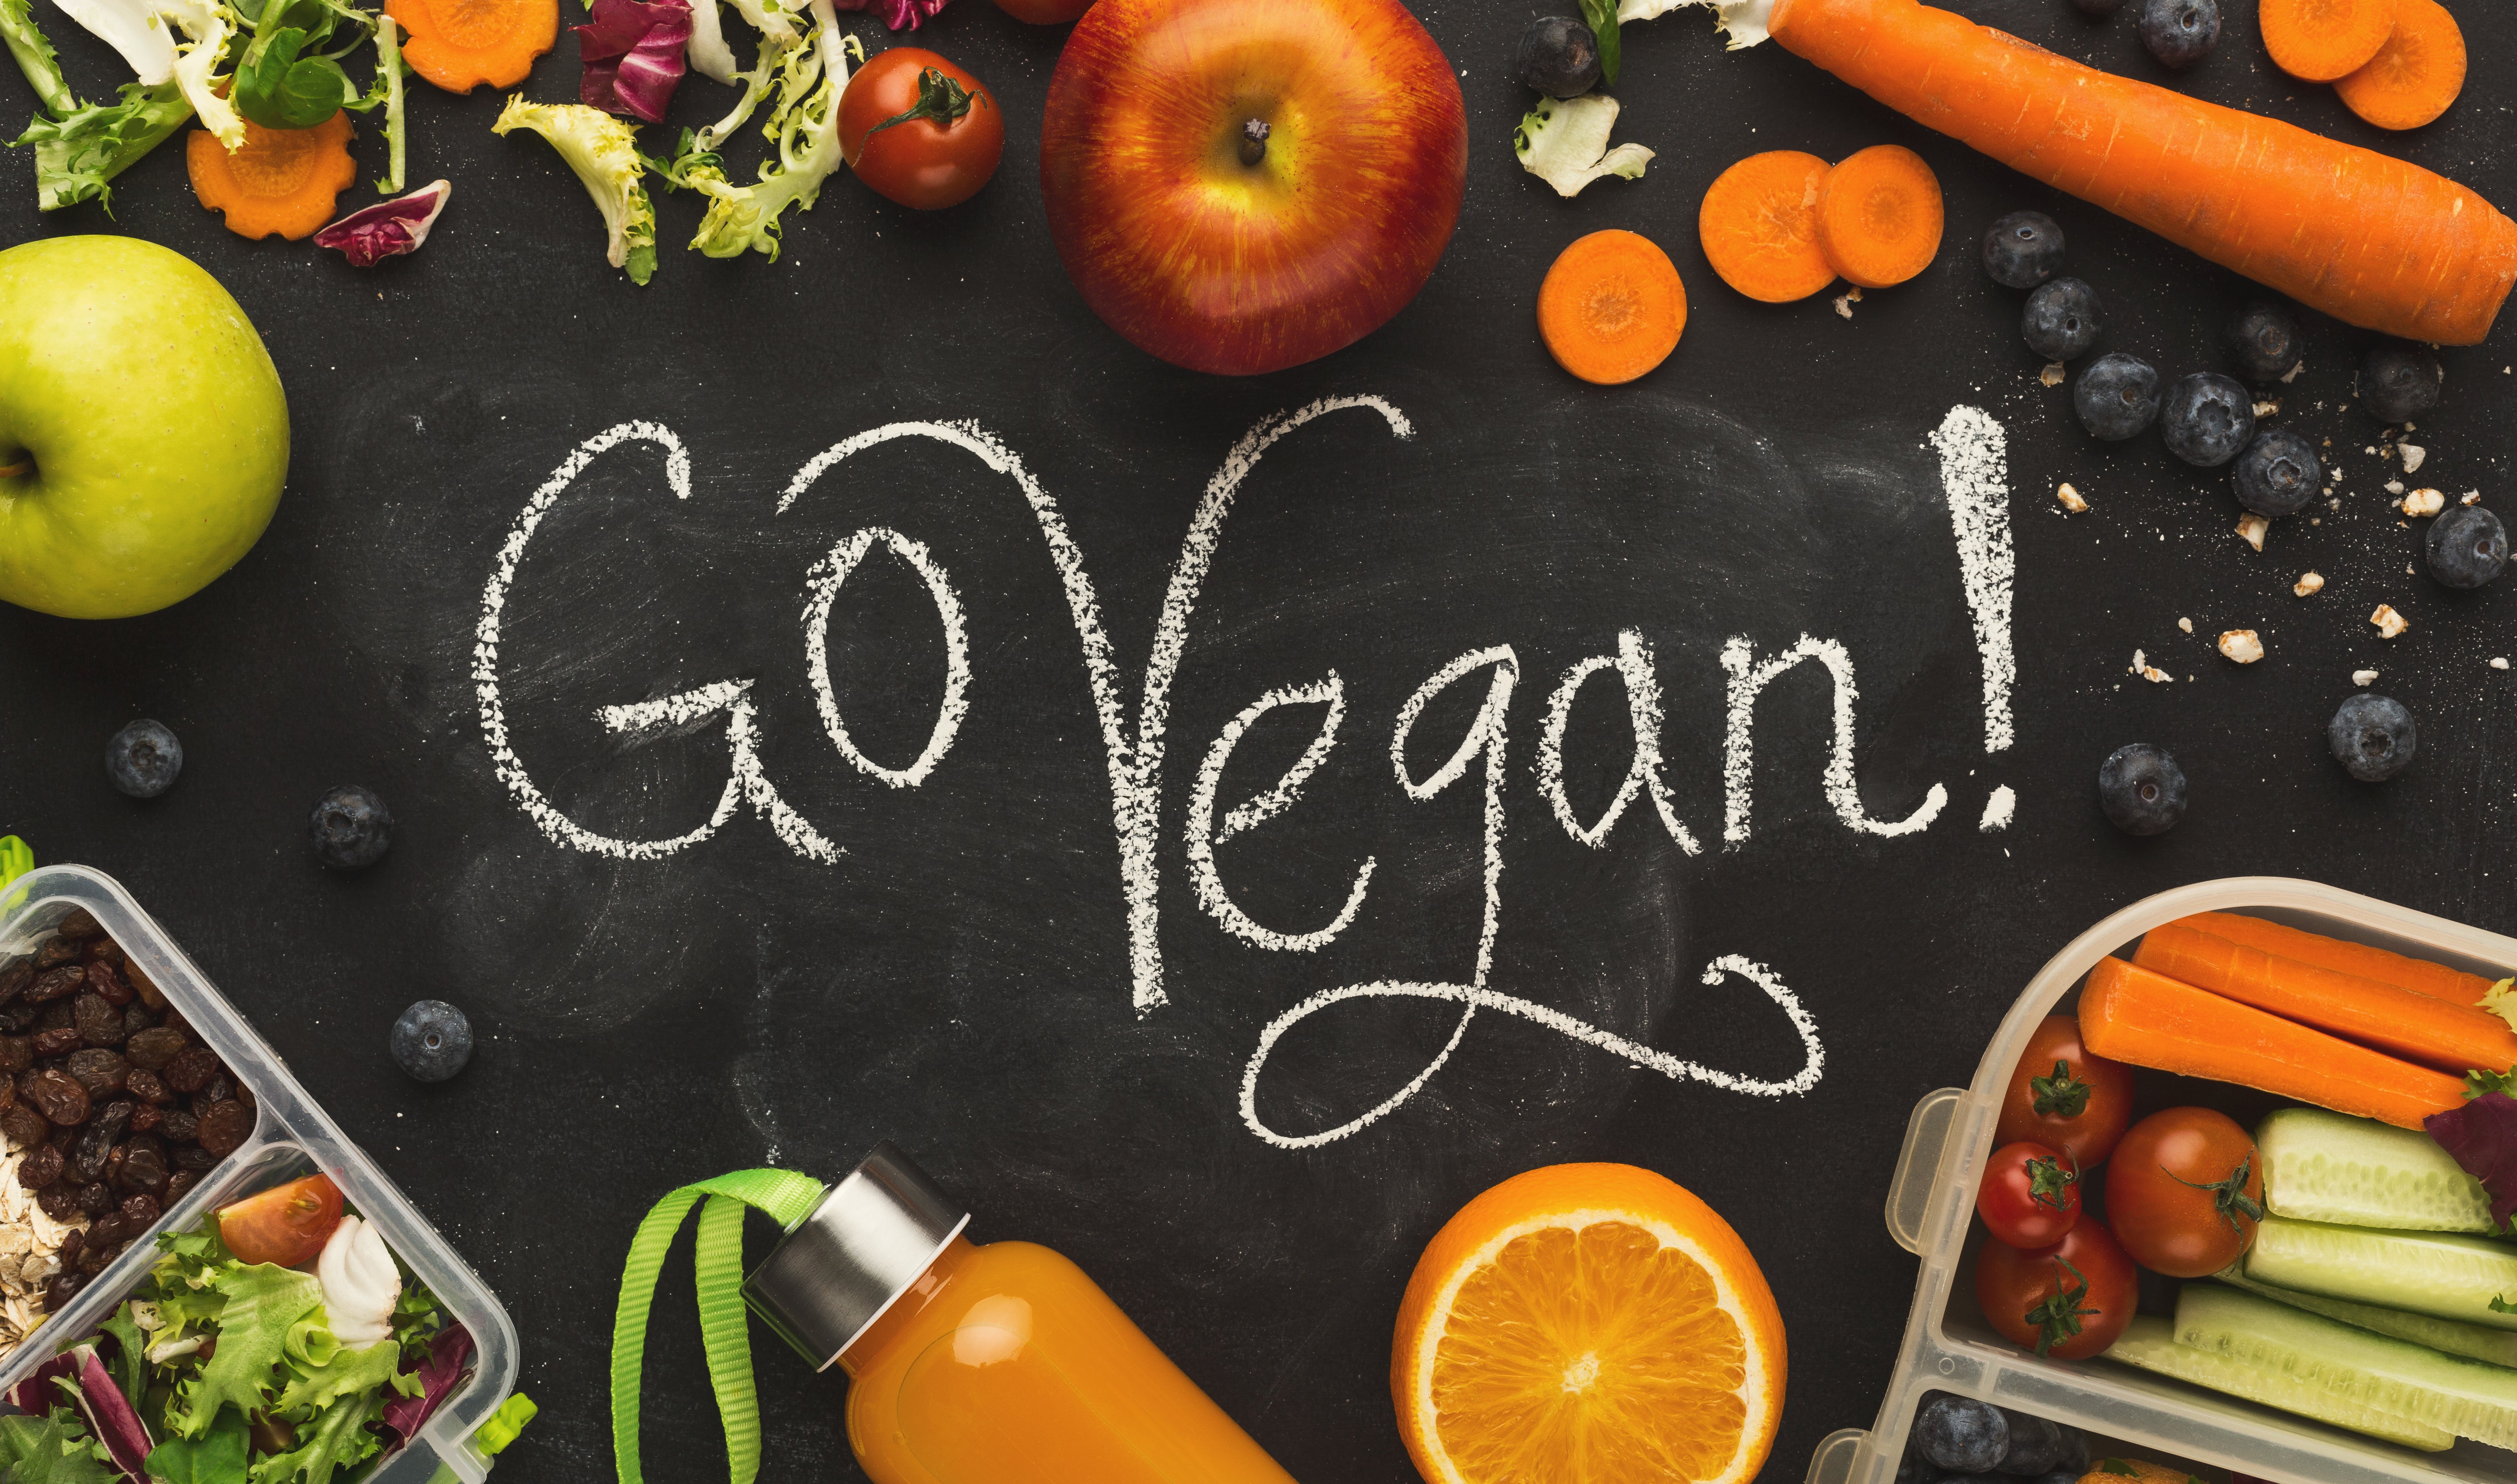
pixel 1588 1324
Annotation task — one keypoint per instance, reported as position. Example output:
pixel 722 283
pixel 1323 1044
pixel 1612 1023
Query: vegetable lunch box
pixel 291 1137
pixel 1931 1205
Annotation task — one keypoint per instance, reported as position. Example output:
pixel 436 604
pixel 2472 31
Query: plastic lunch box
pixel 292 1137
pixel 1931 1204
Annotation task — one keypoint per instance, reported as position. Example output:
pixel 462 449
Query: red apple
pixel 1221 251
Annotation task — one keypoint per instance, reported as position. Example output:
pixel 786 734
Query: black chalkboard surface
pixel 955 959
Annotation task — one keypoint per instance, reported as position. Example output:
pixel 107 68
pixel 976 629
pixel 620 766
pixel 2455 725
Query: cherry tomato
pixel 286 1224
pixel 1045 11
pixel 919 130
pixel 2065 1098
pixel 2069 1300
pixel 2186 1190
pixel 2030 1194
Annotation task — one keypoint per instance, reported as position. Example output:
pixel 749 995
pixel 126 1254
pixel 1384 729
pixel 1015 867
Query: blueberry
pixel 2399 382
pixel 1914 1469
pixel 1961 1436
pixel 2066 1474
pixel 2141 789
pixel 432 1041
pixel 2264 342
pixel 1559 56
pixel 2373 737
pixel 143 759
pixel 2278 473
pixel 2022 249
pixel 2116 397
pixel 351 828
pixel 2061 319
pixel 2208 419
pixel 2180 33
pixel 2073 1455
pixel 2034 1445
pixel 2467 546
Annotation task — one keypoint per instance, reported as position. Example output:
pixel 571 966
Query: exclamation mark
pixel 1975 470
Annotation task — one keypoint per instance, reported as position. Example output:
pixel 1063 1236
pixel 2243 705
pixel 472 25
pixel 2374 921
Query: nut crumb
pixel 2500 663
pixel 2268 408
pixel 2186 624
pixel 2242 644
pixel 2291 374
pixel 2390 623
pixel 1844 302
pixel 2308 584
pixel 2363 677
pixel 2069 499
pixel 2052 375
pixel 2142 668
pixel 2251 527
pixel 2413 455
pixel 2393 486
pixel 2471 498
pixel 2370 451
pixel 2424 502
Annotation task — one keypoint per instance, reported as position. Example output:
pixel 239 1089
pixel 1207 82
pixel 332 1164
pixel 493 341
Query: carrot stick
pixel 2414 75
pixel 2321 40
pixel 2378 242
pixel 1612 307
pixel 1879 216
pixel 2452 1037
pixel 2129 1014
pixel 1759 226
pixel 2419 975
pixel 460 44
pixel 282 181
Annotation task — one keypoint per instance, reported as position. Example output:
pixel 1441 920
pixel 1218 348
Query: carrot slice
pixel 2452 1037
pixel 1612 307
pixel 2321 40
pixel 283 181
pixel 2415 74
pixel 2419 975
pixel 460 44
pixel 1759 225
pixel 2130 1014
pixel 1879 216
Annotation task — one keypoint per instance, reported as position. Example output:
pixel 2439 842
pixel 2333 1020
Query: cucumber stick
pixel 2330 1167
pixel 2150 1342
pixel 2446 1392
pixel 2444 1274
pixel 2497 1346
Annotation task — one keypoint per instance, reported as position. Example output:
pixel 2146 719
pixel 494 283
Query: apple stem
pixel 12 470
pixel 1254 141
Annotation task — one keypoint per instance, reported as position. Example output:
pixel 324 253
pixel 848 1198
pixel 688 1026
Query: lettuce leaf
pixel 216 1459
pixel 336 1438
pixel 2482 1137
pixel 130 1352
pixel 263 1303
pixel 444 1367
pixel 108 1414
pixel 51 1449
pixel 346 1372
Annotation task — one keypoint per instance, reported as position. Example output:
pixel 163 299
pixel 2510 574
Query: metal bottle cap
pixel 838 1269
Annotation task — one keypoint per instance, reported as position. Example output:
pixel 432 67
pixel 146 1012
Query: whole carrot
pixel 2373 241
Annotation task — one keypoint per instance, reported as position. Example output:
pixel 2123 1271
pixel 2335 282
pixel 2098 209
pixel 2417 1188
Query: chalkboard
pixel 1746 981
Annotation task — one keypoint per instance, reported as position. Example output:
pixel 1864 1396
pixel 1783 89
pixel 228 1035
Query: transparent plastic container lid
pixel 291 1137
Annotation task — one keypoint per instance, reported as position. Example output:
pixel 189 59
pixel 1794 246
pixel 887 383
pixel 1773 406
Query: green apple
pixel 144 437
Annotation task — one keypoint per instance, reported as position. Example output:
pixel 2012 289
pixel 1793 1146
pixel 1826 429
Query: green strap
pixel 783 1197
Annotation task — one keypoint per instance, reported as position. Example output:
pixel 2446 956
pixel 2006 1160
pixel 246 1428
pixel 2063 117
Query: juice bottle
pixel 1000 1364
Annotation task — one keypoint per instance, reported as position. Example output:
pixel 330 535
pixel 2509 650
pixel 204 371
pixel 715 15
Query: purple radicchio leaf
pixel 109 1414
pixel 633 56
pixel 897 13
pixel 36 1395
pixel 388 228
pixel 440 1372
pixel 2482 1136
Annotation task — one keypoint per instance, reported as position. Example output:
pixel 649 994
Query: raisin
pixel 99 1021
pixel 92 1158
pixel 103 981
pixel 146 1087
pixel 17 1017
pixel 24 1126
pixel 54 952
pixel 154 1049
pixel 15 978
pixel 147 987
pixel 80 924
pixel 99 1072
pixel 194 1158
pixel 59 1199
pixel 59 1293
pixel 57 983
pixel 71 1241
pixel 60 1043
pixel 17 1054
pixel 7 1093
pixel 92 1256
pixel 55 1016
pixel 181 1128
pixel 140 1212
pixel 226 1128
pixel 94 1198
pixel 40 1167
pixel 136 1018
pixel 57 1095
pixel 114 1161
pixel 144 1166
pixel 218 1090
pixel 193 1071
pixel 147 1117
pixel 105 951
pixel 107 1231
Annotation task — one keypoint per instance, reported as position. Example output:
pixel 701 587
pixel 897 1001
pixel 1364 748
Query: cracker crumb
pixel 2291 374
pixel 2242 644
pixel 2390 623
pixel 2186 624
pixel 2424 502
pixel 2363 677
pixel 2268 408
pixel 2370 451
pixel 2393 486
pixel 2413 455
pixel 2142 668
pixel 1844 302
pixel 2308 584
pixel 2069 499
pixel 2251 527
pixel 2052 375
pixel 2471 498
pixel 2500 663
